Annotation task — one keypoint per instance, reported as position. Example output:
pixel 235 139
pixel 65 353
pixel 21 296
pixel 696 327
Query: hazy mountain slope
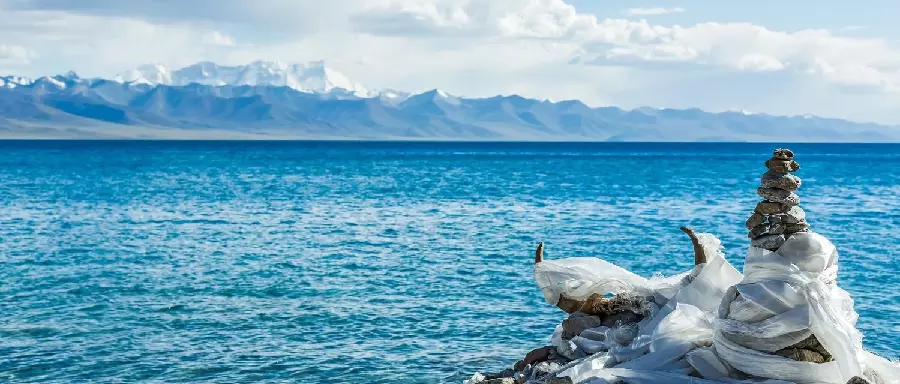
pixel 313 101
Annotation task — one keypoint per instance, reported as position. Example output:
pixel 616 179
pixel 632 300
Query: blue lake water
pixel 239 262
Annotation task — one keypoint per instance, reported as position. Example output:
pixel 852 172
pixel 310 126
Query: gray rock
pixel 755 219
pixel 777 229
pixel 574 325
pixel 758 231
pixel 770 242
pixel 779 196
pixel 796 227
pixel 621 318
pixel 783 154
pixel 502 380
pixel 783 166
pixel 857 380
pixel 785 181
pixel 793 215
pixel 770 208
pixel 799 354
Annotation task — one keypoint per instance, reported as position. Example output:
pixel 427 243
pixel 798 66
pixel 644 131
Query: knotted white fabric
pixel 785 297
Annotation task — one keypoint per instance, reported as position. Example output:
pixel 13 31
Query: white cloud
pixel 539 48
pixel 652 11
pixel 15 54
pixel 217 38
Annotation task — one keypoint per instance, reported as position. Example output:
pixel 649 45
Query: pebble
pixel 755 219
pixel 783 166
pixel 779 196
pixel 785 181
pixel 770 242
pixel 792 216
pixel 768 208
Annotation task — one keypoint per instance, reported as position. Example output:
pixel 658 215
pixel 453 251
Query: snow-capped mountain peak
pixel 14 81
pixel 153 74
pixel 312 77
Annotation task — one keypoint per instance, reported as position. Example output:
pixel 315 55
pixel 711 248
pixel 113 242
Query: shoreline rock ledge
pixel 783 320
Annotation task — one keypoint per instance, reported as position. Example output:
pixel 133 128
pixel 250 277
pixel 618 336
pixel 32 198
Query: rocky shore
pixel 784 320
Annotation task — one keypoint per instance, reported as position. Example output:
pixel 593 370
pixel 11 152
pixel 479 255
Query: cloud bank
pixel 537 48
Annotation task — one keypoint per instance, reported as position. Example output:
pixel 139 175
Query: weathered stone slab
pixel 785 181
pixel 755 219
pixel 770 208
pixel 758 231
pixel 793 215
pixel 574 325
pixel 770 242
pixel 779 196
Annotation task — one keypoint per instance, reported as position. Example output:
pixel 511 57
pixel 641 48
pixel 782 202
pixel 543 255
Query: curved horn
pixel 699 254
pixel 539 253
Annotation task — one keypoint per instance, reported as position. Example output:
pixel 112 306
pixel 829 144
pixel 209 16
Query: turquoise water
pixel 315 262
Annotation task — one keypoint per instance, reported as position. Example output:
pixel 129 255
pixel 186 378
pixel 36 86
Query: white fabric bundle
pixel 785 297
pixel 715 323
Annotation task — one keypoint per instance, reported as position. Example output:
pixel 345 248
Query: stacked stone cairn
pixel 779 215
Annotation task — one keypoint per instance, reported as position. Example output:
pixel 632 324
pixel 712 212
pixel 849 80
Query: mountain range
pixel 271 100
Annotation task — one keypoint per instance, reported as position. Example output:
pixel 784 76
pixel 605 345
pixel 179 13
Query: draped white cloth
pixel 715 325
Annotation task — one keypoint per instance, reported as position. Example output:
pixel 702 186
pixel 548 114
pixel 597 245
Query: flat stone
pixel 801 354
pixel 779 180
pixel 755 219
pixel 758 231
pixel 783 166
pixel 796 227
pixel 502 380
pixel 604 306
pixel 783 154
pixel 793 215
pixel 777 229
pixel 621 318
pixel 779 196
pixel 770 242
pixel 533 357
pixel 770 208
pixel 574 325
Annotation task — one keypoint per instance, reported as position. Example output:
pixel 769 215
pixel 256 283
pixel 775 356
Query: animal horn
pixel 539 253
pixel 699 254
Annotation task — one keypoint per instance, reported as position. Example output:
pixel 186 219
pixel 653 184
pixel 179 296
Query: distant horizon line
pixel 433 141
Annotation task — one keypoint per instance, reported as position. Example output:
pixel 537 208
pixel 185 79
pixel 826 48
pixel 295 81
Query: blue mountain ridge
pixel 69 101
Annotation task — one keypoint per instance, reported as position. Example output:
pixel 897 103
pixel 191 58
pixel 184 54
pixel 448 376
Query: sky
pixel 826 58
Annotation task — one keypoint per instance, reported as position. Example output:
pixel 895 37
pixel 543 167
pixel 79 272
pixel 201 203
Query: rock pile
pixel 779 215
